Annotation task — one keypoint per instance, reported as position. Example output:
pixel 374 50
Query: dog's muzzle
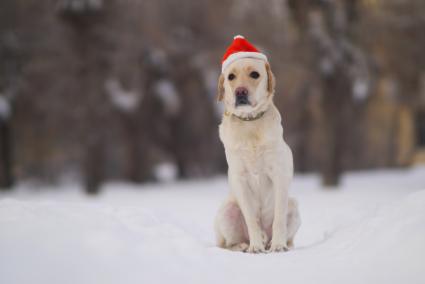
pixel 241 94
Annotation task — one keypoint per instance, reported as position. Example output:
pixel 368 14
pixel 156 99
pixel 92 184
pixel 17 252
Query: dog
pixel 258 215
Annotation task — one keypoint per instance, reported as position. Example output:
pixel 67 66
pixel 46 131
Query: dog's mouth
pixel 242 101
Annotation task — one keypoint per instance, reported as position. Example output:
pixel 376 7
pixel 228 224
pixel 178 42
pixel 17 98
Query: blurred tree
pixel 85 17
pixel 11 60
pixel 343 72
pixel 6 150
pixel 113 89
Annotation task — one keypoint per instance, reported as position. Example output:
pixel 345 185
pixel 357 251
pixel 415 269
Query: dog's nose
pixel 241 91
pixel 241 96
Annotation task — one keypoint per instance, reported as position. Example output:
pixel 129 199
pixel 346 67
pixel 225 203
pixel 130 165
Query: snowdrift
pixel 370 230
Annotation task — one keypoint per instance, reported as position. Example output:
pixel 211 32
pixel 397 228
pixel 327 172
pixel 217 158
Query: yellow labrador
pixel 258 215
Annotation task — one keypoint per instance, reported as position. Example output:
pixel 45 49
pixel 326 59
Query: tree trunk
pixel 336 108
pixel 93 167
pixel 6 164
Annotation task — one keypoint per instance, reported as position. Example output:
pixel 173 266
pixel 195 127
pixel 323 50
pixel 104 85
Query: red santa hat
pixel 240 48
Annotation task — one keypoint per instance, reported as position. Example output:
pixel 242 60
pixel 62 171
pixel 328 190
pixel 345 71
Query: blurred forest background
pixel 125 89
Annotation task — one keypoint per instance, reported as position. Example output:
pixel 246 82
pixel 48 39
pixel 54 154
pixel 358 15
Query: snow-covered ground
pixel 371 230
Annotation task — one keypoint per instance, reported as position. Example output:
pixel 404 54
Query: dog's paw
pixel 240 247
pixel 278 246
pixel 256 248
pixel 258 244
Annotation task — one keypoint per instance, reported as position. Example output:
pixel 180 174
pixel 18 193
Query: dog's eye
pixel 231 76
pixel 254 74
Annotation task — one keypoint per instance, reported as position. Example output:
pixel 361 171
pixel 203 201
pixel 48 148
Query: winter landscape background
pixel 111 169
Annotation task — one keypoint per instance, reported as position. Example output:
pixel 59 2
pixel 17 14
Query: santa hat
pixel 240 48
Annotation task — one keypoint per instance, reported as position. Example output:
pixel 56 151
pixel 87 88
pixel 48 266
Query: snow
pixel 360 89
pixel 326 66
pixel 370 230
pixel 166 172
pixel 81 5
pixel 5 109
pixel 211 78
pixel 124 100
pixel 167 93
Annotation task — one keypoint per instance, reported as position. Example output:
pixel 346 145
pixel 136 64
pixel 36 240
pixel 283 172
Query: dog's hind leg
pixel 294 221
pixel 230 227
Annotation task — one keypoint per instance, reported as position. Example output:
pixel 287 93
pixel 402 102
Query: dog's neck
pixel 250 118
pixel 255 116
pixel 236 132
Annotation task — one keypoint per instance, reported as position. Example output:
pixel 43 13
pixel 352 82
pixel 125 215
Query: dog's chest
pixel 251 138
pixel 249 152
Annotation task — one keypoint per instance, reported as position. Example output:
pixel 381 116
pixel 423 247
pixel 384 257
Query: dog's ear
pixel 271 82
pixel 220 88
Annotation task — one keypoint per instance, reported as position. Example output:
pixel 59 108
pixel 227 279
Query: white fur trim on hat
pixel 242 54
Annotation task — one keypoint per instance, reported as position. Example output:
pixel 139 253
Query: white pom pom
pixel 238 36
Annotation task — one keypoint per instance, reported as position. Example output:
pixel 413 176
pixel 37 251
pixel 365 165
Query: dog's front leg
pixel 280 221
pixel 257 238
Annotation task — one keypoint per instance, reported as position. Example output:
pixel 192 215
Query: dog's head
pixel 246 86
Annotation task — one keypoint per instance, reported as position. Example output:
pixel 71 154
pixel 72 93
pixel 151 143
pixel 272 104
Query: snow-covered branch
pixel 80 6
pixel 126 101
pixel 167 93
pixel 5 108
